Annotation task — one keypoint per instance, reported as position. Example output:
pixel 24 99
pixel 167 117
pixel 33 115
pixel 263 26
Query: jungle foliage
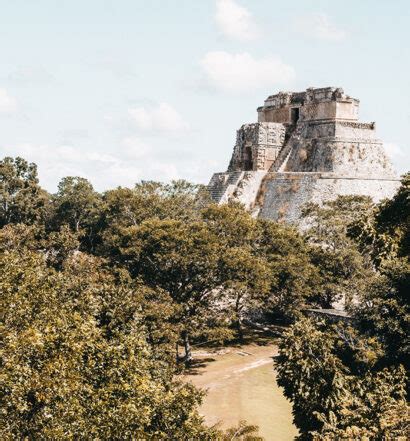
pixel 349 380
pixel 101 290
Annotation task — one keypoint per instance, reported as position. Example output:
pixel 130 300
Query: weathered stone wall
pixel 274 115
pixel 283 195
pixel 247 189
pixel 347 148
pixel 347 110
pixel 346 158
pixel 355 130
pixel 318 111
pixel 339 129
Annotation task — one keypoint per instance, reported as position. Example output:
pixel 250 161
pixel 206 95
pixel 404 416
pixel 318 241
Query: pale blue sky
pixel 123 90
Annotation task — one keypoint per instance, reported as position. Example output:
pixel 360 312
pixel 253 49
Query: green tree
pixel 242 432
pixel 293 277
pixel 231 224
pixel 125 207
pixel 77 205
pixel 384 308
pixel 330 374
pixel 384 233
pixel 348 382
pixel 20 237
pixel 22 200
pixel 344 271
pixel 148 199
pixel 60 245
pixel 375 409
pixel 244 274
pixel 76 362
pixel 245 283
pixel 266 266
pixel 312 376
pixel 181 258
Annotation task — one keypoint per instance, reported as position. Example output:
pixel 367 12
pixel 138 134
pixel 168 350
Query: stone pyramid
pixel 306 147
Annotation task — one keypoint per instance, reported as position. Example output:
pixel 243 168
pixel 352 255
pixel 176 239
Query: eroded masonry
pixel 306 147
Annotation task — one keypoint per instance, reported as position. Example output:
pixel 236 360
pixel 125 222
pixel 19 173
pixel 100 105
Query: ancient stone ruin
pixel 306 147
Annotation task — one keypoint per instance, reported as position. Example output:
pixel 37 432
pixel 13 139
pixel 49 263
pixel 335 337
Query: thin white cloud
pixel 8 104
pixel 163 118
pixel 320 26
pixel 235 21
pixel 242 72
pixel 132 161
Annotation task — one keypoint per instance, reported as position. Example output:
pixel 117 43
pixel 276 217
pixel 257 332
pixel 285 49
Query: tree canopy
pixel 349 380
pixel 100 291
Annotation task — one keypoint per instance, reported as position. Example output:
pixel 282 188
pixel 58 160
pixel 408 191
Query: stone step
pixel 285 151
pixel 283 155
pixel 233 178
pixel 217 193
pixel 217 190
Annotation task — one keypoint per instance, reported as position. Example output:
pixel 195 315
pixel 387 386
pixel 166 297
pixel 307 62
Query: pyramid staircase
pixel 283 156
pixel 218 189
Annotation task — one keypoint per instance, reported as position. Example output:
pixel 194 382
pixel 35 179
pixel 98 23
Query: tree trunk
pixel 187 347
pixel 328 300
pixel 239 328
pixel 238 322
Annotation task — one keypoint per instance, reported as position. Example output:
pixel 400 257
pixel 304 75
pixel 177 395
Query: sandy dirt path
pixel 240 384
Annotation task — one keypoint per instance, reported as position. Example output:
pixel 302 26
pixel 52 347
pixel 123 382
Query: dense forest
pixel 104 294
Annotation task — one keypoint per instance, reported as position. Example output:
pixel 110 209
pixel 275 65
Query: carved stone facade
pixel 306 147
pixel 257 146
